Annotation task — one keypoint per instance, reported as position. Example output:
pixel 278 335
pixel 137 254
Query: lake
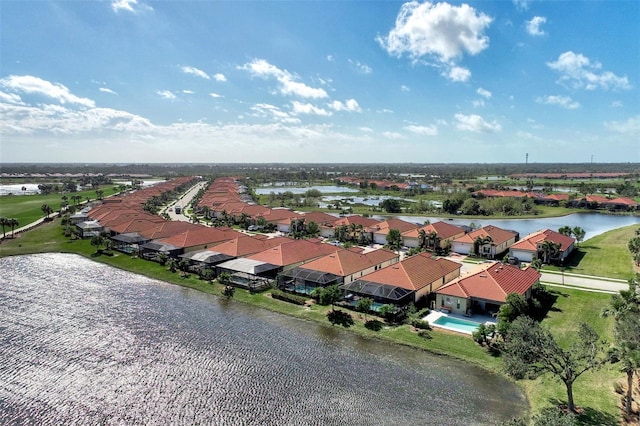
pixel 325 189
pixel 84 343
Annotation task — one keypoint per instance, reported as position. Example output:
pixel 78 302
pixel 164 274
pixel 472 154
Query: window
pixel 457 303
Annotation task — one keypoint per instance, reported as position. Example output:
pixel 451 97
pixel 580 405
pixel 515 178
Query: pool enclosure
pixel 380 293
pixel 304 281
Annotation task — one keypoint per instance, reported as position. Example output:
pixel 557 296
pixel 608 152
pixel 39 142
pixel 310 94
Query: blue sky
pixel 335 81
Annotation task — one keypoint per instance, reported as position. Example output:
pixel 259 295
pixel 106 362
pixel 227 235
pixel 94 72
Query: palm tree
pixel 99 194
pixel 480 242
pixel 12 223
pixel 46 209
pixel 422 239
pixel 548 251
pixel 4 222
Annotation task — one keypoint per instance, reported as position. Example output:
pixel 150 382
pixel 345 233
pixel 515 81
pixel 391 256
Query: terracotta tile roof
pixel 493 282
pixel 247 245
pixel 347 262
pixel 293 252
pixel 135 225
pixel 626 201
pixel 444 230
pixel 498 235
pixel 167 229
pixel 200 236
pixel 531 241
pixel 275 215
pixel 357 219
pixel 596 199
pixel 384 227
pixel 319 218
pixel 414 273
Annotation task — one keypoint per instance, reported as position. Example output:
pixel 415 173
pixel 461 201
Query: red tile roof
pixel 444 230
pixel 414 273
pixel 201 236
pixel 493 282
pixel 498 235
pixel 293 252
pixel 347 262
pixel 385 226
pixel 247 245
pixel 531 241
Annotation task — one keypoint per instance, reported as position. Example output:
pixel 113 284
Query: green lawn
pixel 605 255
pixel 27 208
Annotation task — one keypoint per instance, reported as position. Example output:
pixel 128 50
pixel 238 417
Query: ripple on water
pixel 84 343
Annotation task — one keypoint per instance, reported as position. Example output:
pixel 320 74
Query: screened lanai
pixel 381 294
pixel 199 260
pixel 248 273
pixel 304 281
pixel 129 242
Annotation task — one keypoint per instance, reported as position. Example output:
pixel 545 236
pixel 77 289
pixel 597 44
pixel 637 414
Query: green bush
pixel 288 297
pixel 373 325
pixel 340 318
pixel 420 324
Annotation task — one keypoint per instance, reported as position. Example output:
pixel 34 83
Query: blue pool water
pixel 456 324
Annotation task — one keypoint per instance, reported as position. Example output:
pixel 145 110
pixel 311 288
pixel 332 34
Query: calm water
pixel 325 189
pixel 83 343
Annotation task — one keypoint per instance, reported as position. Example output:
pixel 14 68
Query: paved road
pixel 183 201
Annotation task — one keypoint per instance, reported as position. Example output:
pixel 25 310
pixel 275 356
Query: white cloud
pixel 533 26
pixel 11 98
pixel 423 130
pixel 404 88
pixel 521 4
pixel 288 85
pixel 165 94
pixel 330 58
pixel 580 72
pixel 393 135
pixel 475 123
pixel 300 108
pixel 129 5
pixel 195 71
pixel 363 68
pixel 484 93
pixel 219 77
pixel 36 86
pixel 616 104
pixel 631 126
pixel 528 136
pixel 439 30
pixel 563 101
pixel 272 111
pixel 478 103
pixel 350 105
pixel 215 95
pixel 107 90
pixel 366 129
pixel 188 92
pixel 458 74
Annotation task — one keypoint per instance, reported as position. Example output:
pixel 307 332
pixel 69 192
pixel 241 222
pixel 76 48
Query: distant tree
pixel 46 209
pixel 394 239
pixel 12 222
pixel 391 205
pixel 578 233
pixel 364 305
pixel 172 264
pixel 229 291
pixel 4 222
pixel 329 295
pixel 313 230
pixel 97 241
pixel 530 350
pixel 99 194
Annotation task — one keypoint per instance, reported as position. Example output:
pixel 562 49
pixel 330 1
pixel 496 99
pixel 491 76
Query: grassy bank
pixel 593 391
pixel 605 255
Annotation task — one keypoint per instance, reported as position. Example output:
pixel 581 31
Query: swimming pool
pixel 456 324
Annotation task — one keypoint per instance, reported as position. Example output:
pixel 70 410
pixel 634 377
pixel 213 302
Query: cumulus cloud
pixel 578 71
pixel 220 77
pixel 478 103
pixel 440 32
pixel 11 98
pixel 330 58
pixel 309 109
pixel 563 101
pixel 533 26
pixel 456 73
pixel 631 126
pixel 423 130
pixel 404 88
pixel 272 111
pixel 350 105
pixel 129 6
pixel 188 92
pixel 195 71
pixel 484 93
pixel 107 90
pixel 393 135
pixel 521 4
pixel 165 94
pixel 215 95
pixel 288 85
pixel 363 68
pixel 475 123
pixel 31 85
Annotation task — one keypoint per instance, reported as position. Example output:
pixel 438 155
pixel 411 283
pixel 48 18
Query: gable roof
pixel 444 230
pixel 347 262
pixel 414 273
pixel 247 245
pixel 493 282
pixel 531 241
pixel 357 219
pixel 385 226
pixel 498 235
pixel 204 235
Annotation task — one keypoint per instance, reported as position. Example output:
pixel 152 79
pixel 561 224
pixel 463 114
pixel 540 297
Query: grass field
pixel 593 392
pixel 27 208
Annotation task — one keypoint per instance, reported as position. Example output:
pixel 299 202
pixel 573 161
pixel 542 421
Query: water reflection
pixel 84 343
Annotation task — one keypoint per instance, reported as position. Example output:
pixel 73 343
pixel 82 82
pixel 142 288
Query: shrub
pixel 229 291
pixel 340 318
pixel 420 324
pixel 373 325
pixel 424 334
pixel 287 297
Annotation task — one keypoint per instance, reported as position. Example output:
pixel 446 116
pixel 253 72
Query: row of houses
pixel 588 201
pixel 257 261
